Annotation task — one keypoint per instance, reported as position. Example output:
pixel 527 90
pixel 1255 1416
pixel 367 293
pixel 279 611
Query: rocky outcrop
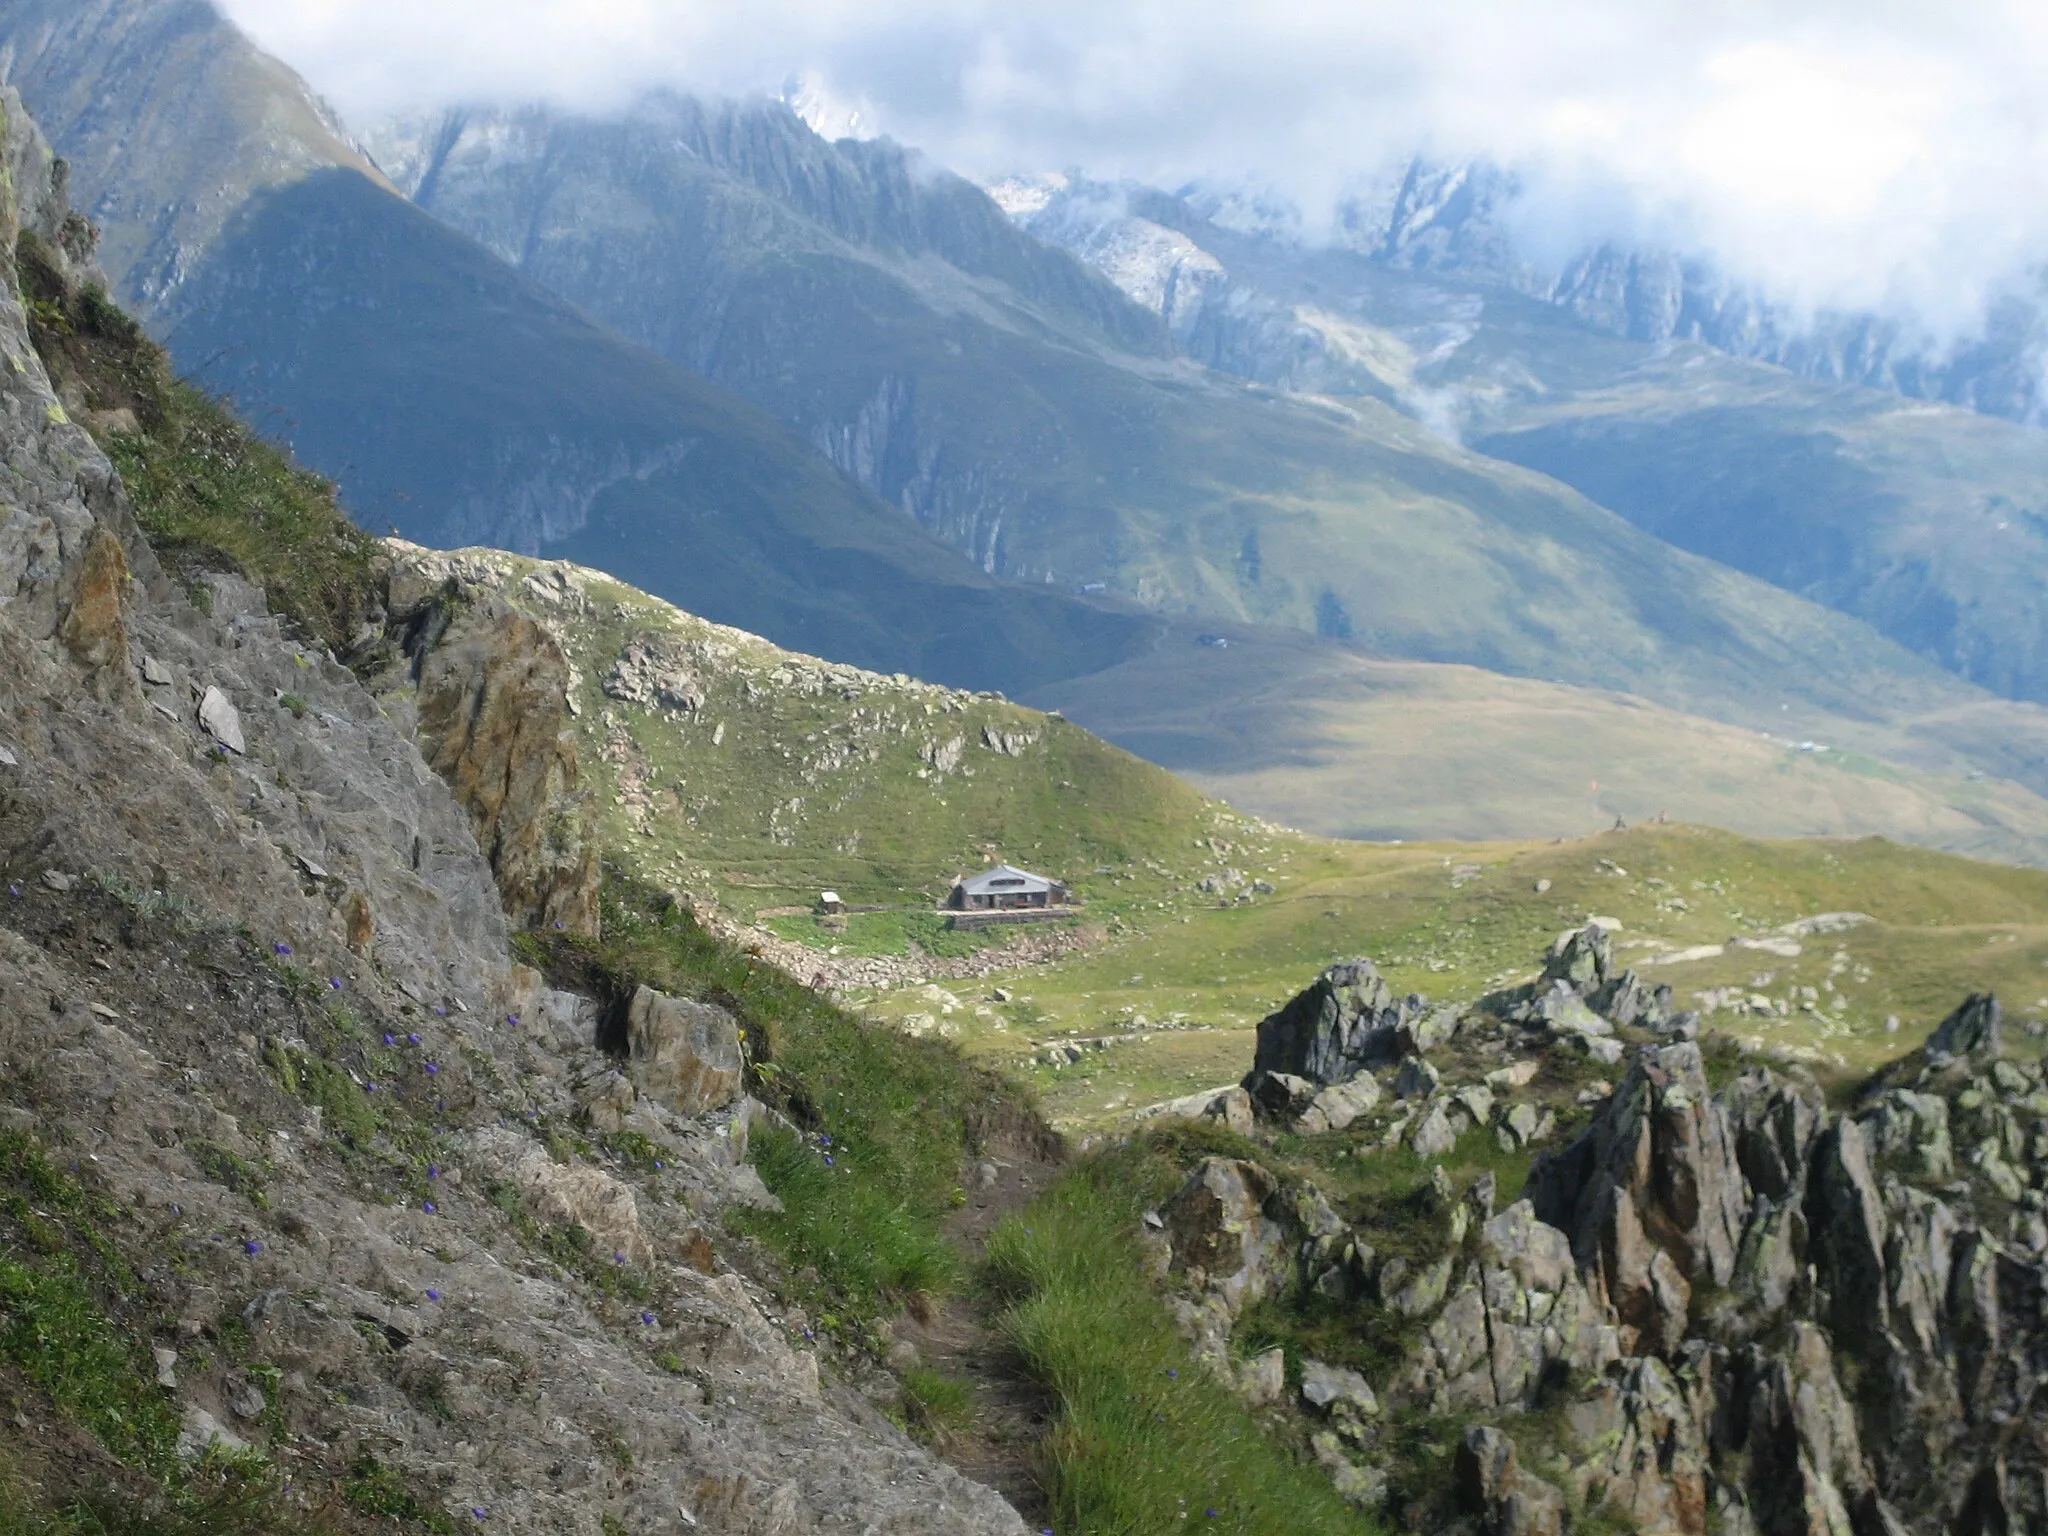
pixel 491 705
pixel 1347 1021
pixel 1652 1194
pixel 1734 1307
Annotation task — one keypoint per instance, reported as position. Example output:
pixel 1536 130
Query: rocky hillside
pixel 305 1225
pixel 1717 1298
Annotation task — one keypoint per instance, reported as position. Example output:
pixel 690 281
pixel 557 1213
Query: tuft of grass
pixel 374 1488
pixel 936 1407
pixel 876 1247
pixel 223 1494
pixel 58 1275
pixel 1146 1440
pixel 209 493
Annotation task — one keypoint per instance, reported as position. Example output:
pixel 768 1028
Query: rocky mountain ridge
pixel 1458 220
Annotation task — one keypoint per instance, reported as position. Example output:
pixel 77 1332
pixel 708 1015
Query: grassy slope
pixel 795 775
pixel 207 491
pixel 1450 920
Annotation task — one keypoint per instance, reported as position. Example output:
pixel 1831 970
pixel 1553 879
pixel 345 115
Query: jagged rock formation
pixel 254 977
pixel 1728 1304
pixel 1347 1021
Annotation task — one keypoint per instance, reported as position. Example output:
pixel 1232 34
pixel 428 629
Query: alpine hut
pixel 1005 888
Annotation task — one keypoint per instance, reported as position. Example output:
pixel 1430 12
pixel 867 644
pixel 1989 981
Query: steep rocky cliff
pixel 287 1157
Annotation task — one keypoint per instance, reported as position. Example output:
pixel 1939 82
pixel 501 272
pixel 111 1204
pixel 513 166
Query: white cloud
pixel 1865 153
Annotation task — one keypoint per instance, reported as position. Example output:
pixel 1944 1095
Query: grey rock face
pixel 1972 1030
pixel 1653 1193
pixel 685 1054
pixel 1345 1022
pixel 490 700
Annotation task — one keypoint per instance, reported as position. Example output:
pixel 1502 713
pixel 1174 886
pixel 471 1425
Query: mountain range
pixel 1097 447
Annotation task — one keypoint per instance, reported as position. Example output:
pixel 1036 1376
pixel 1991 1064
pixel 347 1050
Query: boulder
pixel 221 720
pixel 1582 959
pixel 1971 1031
pixel 685 1054
pixel 1335 1390
pixel 1231 1106
pixel 1223 1242
pixel 1335 1107
pixel 1279 1095
pixel 1262 1380
pixel 1417 1079
pixel 1433 1135
pixel 1346 1021
pixel 1561 1009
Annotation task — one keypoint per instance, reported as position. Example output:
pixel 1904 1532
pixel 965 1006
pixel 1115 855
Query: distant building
pixel 828 901
pixel 1006 888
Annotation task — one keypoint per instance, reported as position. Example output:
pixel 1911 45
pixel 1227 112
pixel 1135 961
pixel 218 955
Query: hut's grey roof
pixel 1004 877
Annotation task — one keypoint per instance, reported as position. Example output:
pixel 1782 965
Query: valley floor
pixel 1831 953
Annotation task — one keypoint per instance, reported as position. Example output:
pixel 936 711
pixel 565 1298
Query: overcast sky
pixel 1869 154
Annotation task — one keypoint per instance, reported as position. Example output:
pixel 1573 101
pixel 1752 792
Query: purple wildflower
pixel 432 1294
pixel 479 1511
pixel 433 1069
pixel 427 1206
pixel 618 1258
pixel 369 1087
pixel 657 1165
pixel 412 1039
pixel 512 1018
pixel 280 949
pixel 390 1039
pixel 647 1318
pixel 1173 1373
pixel 433 1170
pixel 334 982
pixel 828 1161
pixel 251 1246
